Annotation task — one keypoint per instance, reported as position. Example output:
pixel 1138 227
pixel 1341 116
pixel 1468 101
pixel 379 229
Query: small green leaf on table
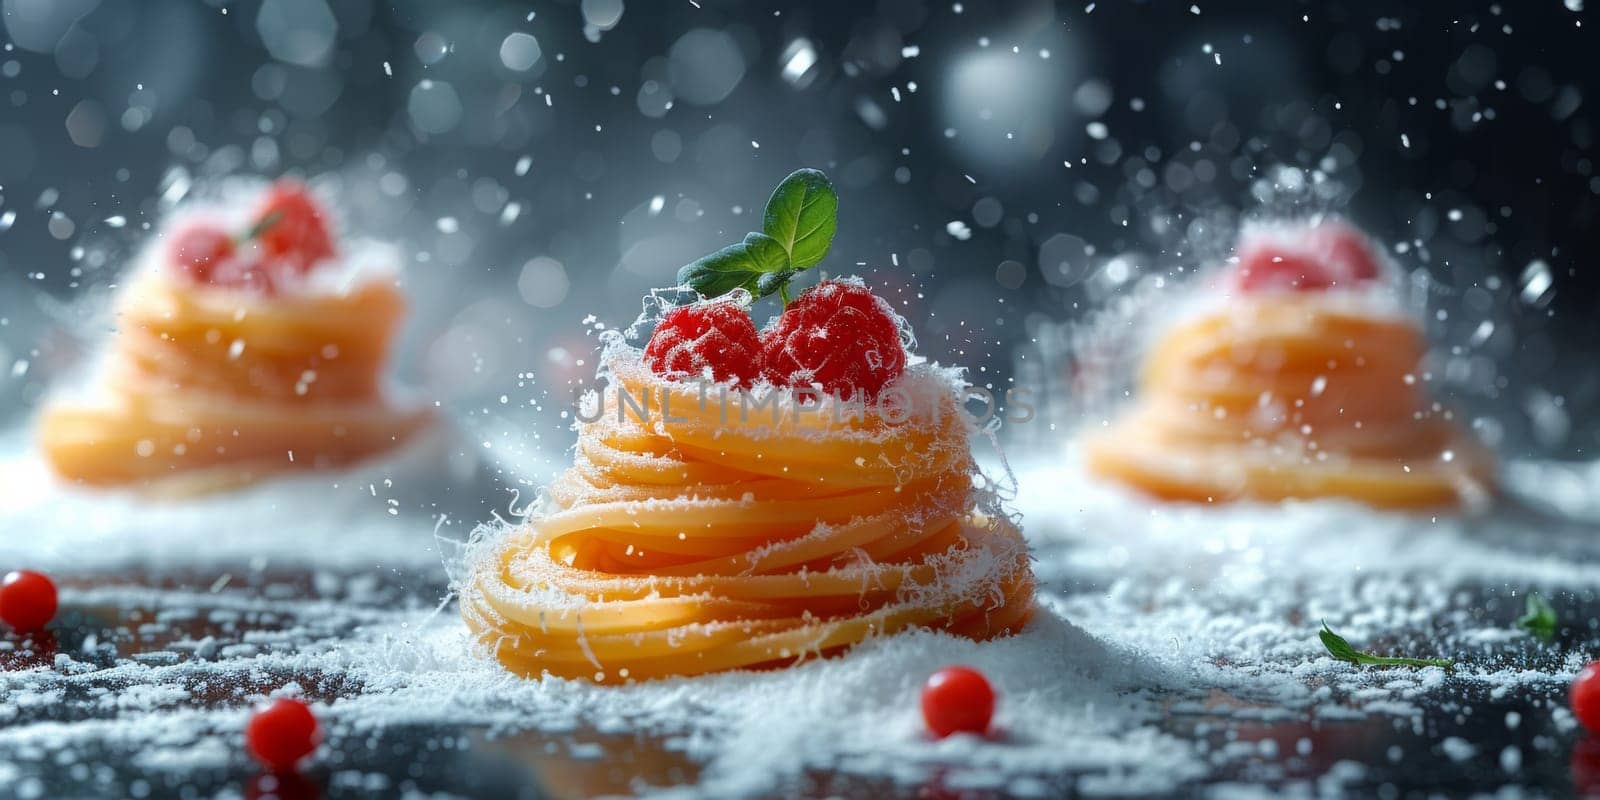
pixel 1539 618
pixel 1341 650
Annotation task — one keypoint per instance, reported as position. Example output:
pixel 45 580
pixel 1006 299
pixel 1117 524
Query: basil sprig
pixel 1341 650
pixel 796 231
pixel 1539 618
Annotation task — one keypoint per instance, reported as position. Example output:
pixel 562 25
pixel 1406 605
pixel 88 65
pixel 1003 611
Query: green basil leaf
pixel 737 266
pixel 766 252
pixel 1339 648
pixel 1540 619
pixel 802 215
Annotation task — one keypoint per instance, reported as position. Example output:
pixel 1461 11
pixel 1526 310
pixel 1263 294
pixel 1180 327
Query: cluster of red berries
pixel 1319 257
pixel 835 335
pixel 288 237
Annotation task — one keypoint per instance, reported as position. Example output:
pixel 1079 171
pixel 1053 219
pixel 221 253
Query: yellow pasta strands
pixel 207 388
pixel 1289 396
pixel 705 537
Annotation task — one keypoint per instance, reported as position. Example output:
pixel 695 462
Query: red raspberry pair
pixel 836 335
pixel 1315 258
pixel 290 233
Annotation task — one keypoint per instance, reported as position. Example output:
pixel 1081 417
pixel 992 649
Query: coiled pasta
pixel 699 537
pixel 205 388
pixel 1284 396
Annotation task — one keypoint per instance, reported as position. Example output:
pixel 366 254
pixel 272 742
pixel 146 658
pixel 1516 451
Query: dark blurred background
pixel 1005 169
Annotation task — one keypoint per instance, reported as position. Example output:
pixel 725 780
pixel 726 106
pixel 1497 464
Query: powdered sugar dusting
pixel 1175 647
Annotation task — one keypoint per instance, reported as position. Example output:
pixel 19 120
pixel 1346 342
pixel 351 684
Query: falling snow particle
pixel 510 213
pixel 1538 287
pixel 798 59
pixel 1484 330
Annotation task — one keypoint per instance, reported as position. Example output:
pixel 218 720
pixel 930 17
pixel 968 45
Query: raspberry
pixel 1324 256
pixel 208 256
pixel 198 249
pixel 839 335
pixel 293 227
pixel 718 335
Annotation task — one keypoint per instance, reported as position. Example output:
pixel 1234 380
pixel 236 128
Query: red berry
pixel 199 249
pixel 295 228
pixel 957 700
pixel 717 334
pixel 281 734
pixel 839 335
pixel 1330 254
pixel 27 600
pixel 1586 697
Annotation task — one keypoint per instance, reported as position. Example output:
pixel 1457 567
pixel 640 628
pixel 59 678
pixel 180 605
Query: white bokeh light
pixel 602 14
pixel 519 51
pixel 38 25
pixel 297 31
pixel 1004 107
pixel 434 107
pixel 543 282
pixel 706 66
